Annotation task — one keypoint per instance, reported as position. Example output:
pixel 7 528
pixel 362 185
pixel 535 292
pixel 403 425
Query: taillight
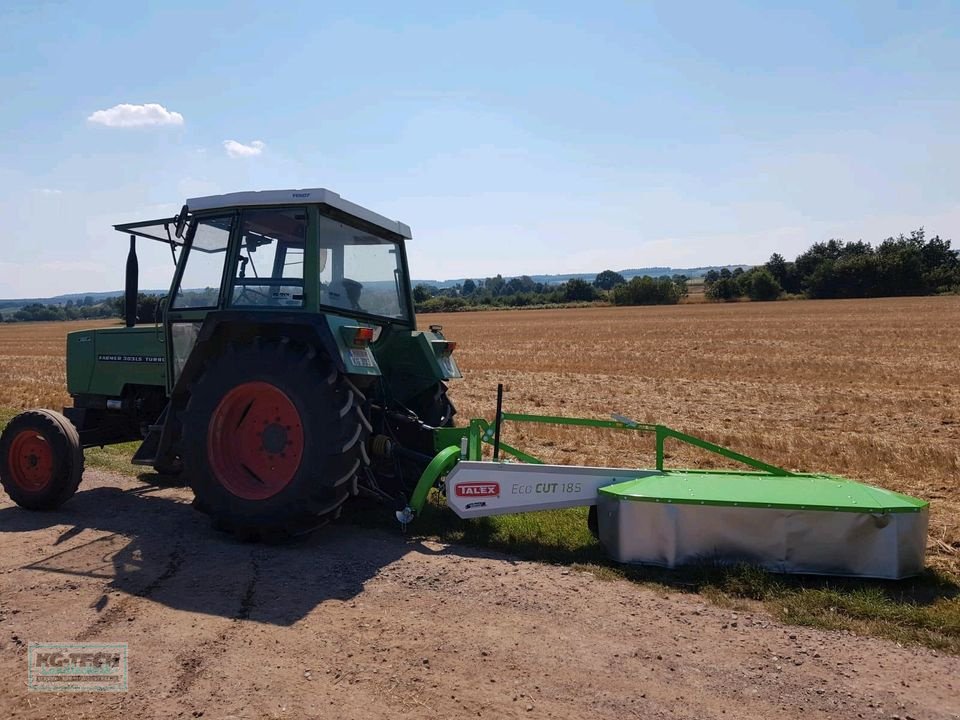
pixel 446 348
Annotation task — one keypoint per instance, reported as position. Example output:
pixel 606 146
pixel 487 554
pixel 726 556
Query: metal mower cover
pixel 818 524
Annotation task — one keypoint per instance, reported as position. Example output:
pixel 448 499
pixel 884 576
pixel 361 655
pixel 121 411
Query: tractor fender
pixel 220 329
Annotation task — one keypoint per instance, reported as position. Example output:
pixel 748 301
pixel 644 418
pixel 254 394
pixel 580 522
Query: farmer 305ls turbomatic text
pixel 286 374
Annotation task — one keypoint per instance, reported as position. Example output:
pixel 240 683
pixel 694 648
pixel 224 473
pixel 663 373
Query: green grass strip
pixel 924 610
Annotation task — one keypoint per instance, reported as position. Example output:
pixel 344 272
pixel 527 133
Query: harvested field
pixel 863 388
pixel 358 622
pixel 33 368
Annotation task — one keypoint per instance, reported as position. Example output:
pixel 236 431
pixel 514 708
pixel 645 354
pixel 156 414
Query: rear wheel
pixel 272 440
pixel 41 462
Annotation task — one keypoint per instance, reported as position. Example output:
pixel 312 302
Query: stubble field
pixel 866 389
pixel 360 621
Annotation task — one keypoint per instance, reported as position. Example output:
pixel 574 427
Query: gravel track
pixel 367 624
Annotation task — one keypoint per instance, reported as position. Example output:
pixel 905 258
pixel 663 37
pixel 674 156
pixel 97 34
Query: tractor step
pixel 147 452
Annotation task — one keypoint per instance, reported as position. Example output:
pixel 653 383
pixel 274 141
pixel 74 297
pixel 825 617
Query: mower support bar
pixel 466 444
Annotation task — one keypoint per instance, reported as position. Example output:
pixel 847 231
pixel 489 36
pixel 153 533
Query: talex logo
pixel 478 489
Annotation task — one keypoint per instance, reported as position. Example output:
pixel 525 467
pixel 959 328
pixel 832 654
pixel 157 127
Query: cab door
pixel 198 286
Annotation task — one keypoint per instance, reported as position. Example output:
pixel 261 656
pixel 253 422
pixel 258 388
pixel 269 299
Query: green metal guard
pixel 447 443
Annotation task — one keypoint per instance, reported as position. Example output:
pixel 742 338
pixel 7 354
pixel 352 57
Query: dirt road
pixel 366 624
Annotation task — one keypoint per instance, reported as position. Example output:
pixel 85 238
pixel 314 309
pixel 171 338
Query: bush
pixel 647 291
pixel 608 279
pixel 441 304
pixel 421 293
pixel 725 289
pixel 760 284
pixel 577 290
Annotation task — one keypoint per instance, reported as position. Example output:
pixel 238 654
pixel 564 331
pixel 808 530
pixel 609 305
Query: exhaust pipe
pixel 131 290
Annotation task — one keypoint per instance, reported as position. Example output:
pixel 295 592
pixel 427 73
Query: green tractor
pixel 284 374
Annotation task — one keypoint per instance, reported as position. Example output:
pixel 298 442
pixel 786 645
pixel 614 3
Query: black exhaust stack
pixel 133 272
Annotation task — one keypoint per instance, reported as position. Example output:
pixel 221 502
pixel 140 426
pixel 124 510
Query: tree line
pixel 84 309
pixel 904 265
pixel 524 291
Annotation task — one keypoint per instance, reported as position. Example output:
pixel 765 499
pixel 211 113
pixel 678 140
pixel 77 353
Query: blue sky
pixel 513 138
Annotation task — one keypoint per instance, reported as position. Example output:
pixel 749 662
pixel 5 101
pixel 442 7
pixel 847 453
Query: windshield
pixel 360 272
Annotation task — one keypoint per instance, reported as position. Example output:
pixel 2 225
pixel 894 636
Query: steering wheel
pixel 248 296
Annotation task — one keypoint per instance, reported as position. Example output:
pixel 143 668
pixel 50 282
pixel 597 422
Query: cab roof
pixel 306 196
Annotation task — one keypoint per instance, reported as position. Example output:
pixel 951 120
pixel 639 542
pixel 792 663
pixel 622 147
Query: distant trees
pixel 147 306
pixel 904 265
pixel 760 284
pixel 608 279
pixel 681 282
pixel 757 283
pixel 39 312
pixel 724 289
pixel 649 291
pixel 577 290
pixel 421 293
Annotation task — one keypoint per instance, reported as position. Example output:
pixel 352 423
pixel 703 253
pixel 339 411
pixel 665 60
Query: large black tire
pixel 41 461
pixel 272 440
pixel 433 407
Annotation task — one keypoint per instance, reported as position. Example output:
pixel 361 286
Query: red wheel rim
pixel 255 441
pixel 31 461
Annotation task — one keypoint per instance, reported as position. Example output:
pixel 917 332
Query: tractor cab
pixel 309 250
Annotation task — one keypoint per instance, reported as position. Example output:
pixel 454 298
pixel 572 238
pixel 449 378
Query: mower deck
pixel 818 524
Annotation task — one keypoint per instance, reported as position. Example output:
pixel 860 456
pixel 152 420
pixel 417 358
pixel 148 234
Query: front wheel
pixel 41 461
pixel 272 439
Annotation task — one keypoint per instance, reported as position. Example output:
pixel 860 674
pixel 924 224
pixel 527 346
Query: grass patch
pixel 924 610
pixel 115 458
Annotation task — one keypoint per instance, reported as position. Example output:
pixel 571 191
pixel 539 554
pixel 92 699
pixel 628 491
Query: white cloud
pixel 126 115
pixel 236 149
pixel 48 191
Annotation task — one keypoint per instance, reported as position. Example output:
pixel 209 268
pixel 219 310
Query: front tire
pixel 272 440
pixel 41 461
